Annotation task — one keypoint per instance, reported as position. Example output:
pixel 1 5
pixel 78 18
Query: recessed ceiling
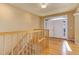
pixel 51 8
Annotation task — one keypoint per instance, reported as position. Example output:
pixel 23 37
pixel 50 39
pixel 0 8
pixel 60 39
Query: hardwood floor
pixel 55 47
pixel 74 47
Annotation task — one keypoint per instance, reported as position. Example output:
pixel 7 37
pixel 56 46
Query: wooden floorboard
pixel 55 47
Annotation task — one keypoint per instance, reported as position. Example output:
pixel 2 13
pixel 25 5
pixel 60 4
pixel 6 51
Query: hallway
pixel 39 29
pixel 22 29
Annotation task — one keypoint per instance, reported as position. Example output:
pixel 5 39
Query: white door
pixel 57 28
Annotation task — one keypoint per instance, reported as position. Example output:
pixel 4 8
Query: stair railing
pixel 32 42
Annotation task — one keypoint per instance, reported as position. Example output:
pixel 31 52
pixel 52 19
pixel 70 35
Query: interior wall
pixel 42 22
pixel 76 28
pixel 71 33
pixel 14 19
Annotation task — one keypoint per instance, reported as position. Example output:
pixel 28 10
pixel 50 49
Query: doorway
pixel 57 26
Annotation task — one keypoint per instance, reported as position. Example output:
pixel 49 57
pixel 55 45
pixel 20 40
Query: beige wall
pixel 71 33
pixel 14 19
pixel 77 28
pixel 42 22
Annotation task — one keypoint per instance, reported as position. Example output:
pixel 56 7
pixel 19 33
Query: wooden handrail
pixel 27 41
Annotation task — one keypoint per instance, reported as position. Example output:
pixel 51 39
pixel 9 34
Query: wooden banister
pixel 31 42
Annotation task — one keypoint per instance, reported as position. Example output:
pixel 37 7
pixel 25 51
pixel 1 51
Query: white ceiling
pixel 52 8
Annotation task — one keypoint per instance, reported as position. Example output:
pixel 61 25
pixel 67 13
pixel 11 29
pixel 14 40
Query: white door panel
pixel 56 28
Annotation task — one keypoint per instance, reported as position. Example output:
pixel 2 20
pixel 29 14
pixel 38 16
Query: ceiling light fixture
pixel 43 5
